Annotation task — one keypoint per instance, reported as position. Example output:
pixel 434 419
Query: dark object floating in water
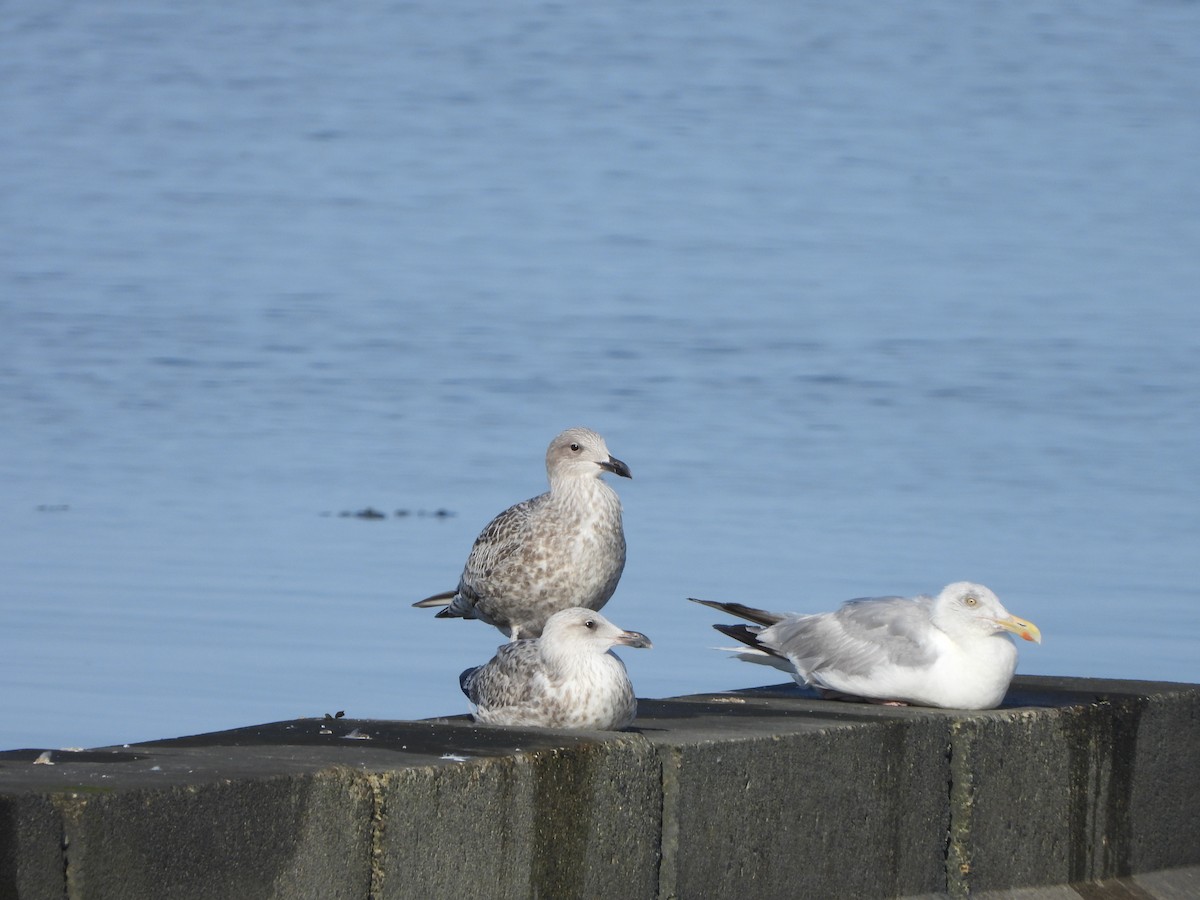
pixel 371 512
pixel 336 715
pixel 53 507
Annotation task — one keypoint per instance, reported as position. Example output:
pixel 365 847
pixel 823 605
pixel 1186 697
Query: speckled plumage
pixel 951 651
pixel 567 678
pixel 561 549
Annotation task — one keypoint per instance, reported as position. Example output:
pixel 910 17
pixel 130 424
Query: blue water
pixel 871 298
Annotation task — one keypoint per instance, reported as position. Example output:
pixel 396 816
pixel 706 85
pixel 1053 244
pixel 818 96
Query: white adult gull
pixel 560 549
pixel 567 678
pixel 952 650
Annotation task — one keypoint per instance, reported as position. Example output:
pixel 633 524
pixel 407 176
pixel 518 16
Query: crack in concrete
pixel 670 762
pixel 70 808
pixel 961 804
pixel 377 784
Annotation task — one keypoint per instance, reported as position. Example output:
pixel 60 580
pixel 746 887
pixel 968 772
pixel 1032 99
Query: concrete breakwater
pixel 760 793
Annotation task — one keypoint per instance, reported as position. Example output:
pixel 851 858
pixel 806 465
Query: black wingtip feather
pixel 749 613
pixel 743 633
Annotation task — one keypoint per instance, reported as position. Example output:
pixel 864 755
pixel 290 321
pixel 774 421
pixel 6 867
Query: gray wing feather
pixel 496 547
pixel 501 538
pixel 498 541
pixel 514 676
pixel 862 635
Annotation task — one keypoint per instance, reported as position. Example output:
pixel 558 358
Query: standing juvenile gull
pixel 560 549
pixel 952 650
pixel 567 678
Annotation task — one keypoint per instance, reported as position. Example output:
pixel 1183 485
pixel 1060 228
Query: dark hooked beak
pixel 617 467
pixel 634 639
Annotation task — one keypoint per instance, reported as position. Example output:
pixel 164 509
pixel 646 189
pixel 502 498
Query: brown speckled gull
pixel 567 678
pixel 563 548
pixel 952 650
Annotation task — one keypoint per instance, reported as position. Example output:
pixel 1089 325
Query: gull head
pixel 967 609
pixel 581 453
pixel 579 630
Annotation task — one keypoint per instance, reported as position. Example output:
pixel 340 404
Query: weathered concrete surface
pixel 1084 780
pixel 31 855
pixel 772 794
pixel 577 821
pixel 343 808
pixel 186 823
pixel 767 792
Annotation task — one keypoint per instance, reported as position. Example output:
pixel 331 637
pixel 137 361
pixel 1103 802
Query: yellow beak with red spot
pixel 1021 627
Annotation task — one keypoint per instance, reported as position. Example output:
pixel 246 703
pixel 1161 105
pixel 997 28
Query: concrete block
pixel 289 836
pixel 771 794
pixel 180 823
pixel 1074 787
pixel 1085 781
pixel 1164 805
pixel 575 821
pixel 31 850
pixel 462 810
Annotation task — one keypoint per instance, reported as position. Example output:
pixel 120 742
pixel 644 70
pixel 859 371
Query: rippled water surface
pixel 869 303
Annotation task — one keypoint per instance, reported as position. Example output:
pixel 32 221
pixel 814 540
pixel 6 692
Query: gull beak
pixel 634 639
pixel 1021 627
pixel 615 466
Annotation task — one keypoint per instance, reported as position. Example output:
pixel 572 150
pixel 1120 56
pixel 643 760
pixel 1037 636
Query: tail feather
pixel 762 658
pixel 753 651
pixel 466 681
pixel 746 634
pixel 749 613
pixel 442 599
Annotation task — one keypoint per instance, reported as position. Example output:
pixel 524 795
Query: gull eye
pixel 970 601
pixel 590 623
pixel 574 448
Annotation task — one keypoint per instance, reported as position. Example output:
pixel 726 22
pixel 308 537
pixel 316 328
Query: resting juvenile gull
pixel 560 549
pixel 952 650
pixel 567 678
